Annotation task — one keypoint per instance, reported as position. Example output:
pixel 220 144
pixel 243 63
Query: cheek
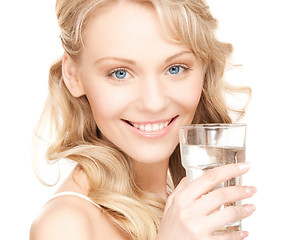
pixel 188 96
pixel 192 99
pixel 98 102
pixel 105 103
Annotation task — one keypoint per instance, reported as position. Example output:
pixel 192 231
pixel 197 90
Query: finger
pixel 209 179
pixel 229 214
pixel 231 236
pixel 218 197
pixel 183 183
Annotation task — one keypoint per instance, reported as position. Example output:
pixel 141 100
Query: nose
pixel 152 95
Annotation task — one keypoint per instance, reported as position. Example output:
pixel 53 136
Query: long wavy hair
pixel 77 137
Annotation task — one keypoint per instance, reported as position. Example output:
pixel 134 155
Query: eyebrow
pixel 116 59
pixel 177 55
pixel 131 62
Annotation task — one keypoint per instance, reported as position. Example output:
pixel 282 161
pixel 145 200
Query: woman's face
pixel 140 86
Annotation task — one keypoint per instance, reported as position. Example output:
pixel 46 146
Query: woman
pixel 132 72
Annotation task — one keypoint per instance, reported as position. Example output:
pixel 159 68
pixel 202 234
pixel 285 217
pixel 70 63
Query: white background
pixel 262 34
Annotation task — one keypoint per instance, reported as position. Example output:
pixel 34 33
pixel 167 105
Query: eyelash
pixel 110 74
pixel 184 66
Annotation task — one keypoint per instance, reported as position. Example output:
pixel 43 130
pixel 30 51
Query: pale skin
pixel 127 81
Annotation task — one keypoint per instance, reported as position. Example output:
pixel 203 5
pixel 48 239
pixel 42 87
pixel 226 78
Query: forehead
pixel 124 27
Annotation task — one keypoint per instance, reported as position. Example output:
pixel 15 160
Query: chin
pixel 153 155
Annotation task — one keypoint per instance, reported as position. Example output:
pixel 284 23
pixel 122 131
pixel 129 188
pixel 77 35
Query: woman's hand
pixel 190 213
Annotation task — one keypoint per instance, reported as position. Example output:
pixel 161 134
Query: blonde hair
pixel 77 137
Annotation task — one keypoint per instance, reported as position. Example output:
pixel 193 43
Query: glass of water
pixel 205 146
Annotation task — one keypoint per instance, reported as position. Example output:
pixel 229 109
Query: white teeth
pixel 155 127
pixel 150 127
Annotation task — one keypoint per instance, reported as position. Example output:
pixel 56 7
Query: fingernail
pixel 244 234
pixel 244 167
pixel 251 190
pixel 250 208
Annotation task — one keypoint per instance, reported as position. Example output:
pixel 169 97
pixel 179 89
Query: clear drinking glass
pixel 205 146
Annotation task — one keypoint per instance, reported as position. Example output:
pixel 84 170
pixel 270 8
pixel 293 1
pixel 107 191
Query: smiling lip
pixel 152 129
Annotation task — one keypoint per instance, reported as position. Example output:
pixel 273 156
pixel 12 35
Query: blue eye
pixel 174 70
pixel 120 74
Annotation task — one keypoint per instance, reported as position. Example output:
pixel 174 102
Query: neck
pixel 152 177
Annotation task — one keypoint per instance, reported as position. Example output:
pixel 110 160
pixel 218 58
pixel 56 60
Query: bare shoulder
pixel 63 218
pixel 70 217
